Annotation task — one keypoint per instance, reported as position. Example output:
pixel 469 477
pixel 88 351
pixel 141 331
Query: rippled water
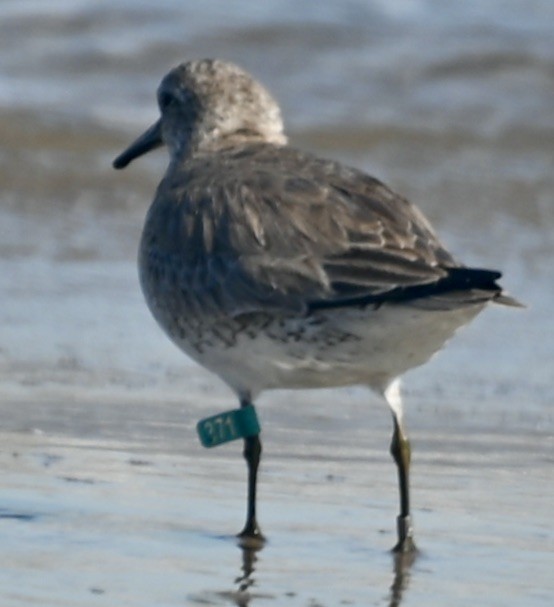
pixel 107 496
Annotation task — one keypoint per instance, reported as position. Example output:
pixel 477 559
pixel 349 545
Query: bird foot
pixel 251 536
pixel 405 535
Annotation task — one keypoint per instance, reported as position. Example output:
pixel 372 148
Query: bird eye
pixel 165 100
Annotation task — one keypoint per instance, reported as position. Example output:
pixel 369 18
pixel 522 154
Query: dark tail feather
pixel 485 280
pixel 460 279
pixel 457 279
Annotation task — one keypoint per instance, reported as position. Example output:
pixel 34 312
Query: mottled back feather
pixel 264 226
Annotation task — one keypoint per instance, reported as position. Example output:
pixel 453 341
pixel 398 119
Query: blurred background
pixel 451 103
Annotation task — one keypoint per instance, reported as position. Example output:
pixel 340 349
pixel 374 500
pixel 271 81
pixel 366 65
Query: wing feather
pixel 275 228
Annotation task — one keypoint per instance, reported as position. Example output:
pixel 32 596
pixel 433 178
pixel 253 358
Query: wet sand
pixel 121 506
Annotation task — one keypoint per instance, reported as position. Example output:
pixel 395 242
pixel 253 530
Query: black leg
pixel 400 451
pixel 252 453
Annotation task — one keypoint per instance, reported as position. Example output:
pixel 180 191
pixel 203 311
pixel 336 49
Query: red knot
pixel 274 268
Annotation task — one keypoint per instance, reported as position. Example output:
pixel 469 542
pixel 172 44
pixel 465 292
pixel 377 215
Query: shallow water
pixel 107 497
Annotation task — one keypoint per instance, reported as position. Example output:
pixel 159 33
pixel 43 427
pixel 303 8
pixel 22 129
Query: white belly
pixel 328 349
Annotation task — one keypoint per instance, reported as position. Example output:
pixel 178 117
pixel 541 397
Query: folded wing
pixel 296 233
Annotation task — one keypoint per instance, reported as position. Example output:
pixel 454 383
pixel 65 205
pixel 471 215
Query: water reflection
pixel 245 582
pixel 403 562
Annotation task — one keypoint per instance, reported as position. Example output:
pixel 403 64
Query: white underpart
pixel 335 348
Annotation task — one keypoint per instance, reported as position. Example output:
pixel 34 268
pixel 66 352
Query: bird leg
pixel 252 453
pixel 401 452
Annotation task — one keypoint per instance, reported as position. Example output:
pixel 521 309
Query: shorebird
pixel 274 268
